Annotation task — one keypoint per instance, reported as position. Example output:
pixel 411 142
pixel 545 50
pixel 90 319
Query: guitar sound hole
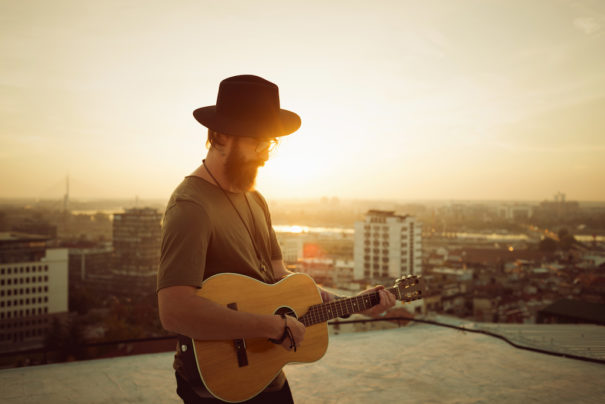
pixel 287 311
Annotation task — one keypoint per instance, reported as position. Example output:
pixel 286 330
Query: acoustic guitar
pixel 237 370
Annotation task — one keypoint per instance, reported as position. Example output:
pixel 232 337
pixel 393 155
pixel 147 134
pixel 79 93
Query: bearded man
pixel 216 222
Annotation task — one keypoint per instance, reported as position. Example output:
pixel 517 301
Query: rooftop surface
pixel 414 364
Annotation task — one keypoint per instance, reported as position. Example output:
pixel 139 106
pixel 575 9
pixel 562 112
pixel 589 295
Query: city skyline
pixel 399 101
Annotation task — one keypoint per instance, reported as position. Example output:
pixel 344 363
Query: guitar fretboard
pixel 320 313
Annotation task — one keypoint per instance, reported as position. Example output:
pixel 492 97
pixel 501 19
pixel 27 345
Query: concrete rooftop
pixel 413 364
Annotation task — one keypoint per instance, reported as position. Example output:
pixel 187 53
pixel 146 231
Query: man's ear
pixel 223 139
pixel 218 140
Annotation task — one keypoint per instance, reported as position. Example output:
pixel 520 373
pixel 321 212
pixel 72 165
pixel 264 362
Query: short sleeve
pixel 186 235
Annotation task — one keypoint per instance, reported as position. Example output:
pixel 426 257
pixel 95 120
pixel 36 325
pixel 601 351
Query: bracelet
pixel 287 333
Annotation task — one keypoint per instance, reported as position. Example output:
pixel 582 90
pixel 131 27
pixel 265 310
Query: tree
pixel 562 233
pixel 82 300
pixel 547 244
pixel 66 339
pixel 566 240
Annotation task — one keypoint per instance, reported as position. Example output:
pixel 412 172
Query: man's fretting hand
pixel 387 300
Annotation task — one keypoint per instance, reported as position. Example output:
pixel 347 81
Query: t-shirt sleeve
pixel 185 238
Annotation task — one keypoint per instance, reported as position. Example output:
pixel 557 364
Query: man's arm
pixel 182 311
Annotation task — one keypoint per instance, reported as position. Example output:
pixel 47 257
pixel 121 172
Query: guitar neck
pixel 323 312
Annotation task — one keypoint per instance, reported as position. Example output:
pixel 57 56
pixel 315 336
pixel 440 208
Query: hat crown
pixel 248 98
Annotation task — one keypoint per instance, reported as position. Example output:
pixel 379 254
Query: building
pixel 515 211
pixel 90 270
pixel 320 269
pixel 387 246
pixel 343 274
pixel 33 289
pixel 291 247
pixel 136 241
pixel 136 251
pixel 88 264
pixel 453 286
pixel 569 311
pixel 558 208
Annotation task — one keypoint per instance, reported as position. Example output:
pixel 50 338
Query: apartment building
pixel 136 251
pixel 136 241
pixel 387 246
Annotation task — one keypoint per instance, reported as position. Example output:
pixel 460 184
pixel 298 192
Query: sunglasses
pixel 268 144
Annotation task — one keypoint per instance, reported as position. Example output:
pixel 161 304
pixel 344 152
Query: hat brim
pixel 288 122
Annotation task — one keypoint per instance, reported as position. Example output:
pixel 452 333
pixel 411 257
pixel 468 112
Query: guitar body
pixel 218 363
pixel 237 370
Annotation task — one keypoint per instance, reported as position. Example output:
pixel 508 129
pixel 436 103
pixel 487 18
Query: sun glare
pixel 295 166
pixel 291 229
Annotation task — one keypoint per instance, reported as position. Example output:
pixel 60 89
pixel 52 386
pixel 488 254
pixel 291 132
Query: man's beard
pixel 240 172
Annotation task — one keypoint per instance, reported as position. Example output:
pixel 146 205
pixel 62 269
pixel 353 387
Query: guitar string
pixel 338 306
pixel 319 313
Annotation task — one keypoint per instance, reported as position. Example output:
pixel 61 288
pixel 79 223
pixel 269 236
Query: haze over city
pixel 398 100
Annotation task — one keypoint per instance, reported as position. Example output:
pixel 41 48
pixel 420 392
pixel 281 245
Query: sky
pixel 406 100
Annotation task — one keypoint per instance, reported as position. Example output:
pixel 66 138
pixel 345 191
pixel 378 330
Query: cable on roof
pixel 489 333
pixel 369 320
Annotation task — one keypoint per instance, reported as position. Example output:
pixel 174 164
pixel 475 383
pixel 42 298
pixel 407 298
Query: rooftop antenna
pixel 66 207
pixel 66 196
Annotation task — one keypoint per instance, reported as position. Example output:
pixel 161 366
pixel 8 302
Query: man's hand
pixel 387 300
pixel 298 332
pixel 296 328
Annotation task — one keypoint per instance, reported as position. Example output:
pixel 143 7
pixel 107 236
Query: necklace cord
pixel 258 255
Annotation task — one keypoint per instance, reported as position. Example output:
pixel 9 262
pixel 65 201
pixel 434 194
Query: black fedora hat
pixel 248 105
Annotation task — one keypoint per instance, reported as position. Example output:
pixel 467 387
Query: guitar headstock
pixel 408 288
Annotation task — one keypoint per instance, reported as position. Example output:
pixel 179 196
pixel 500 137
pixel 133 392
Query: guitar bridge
pixel 239 344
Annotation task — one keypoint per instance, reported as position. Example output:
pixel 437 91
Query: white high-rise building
pixel 387 246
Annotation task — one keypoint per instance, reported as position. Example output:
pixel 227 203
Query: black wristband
pixel 287 333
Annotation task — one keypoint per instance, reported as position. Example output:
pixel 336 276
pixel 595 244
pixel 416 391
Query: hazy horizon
pixel 303 199
pixel 435 100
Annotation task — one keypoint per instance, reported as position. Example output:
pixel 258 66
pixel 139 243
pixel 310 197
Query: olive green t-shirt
pixel 203 235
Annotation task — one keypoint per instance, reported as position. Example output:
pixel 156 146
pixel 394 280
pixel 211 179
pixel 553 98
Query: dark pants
pixel 184 390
